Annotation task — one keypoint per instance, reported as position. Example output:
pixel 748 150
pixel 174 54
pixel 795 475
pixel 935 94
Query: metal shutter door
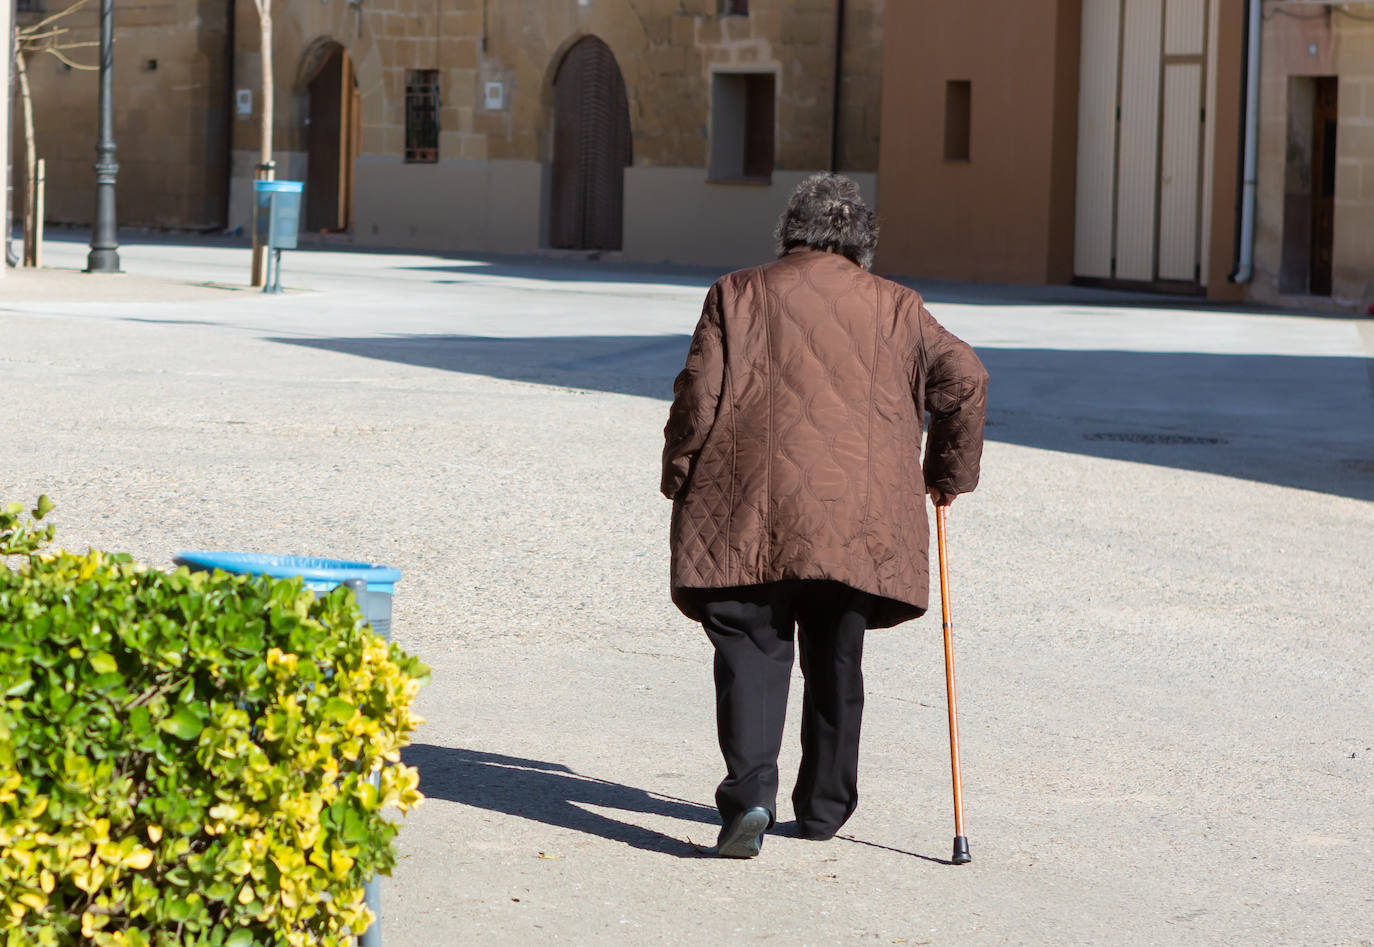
pixel 1096 187
pixel 1179 190
pixel 1138 170
pixel 1180 183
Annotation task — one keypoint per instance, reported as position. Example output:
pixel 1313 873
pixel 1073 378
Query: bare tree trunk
pixel 40 187
pixel 30 162
pixel 268 98
pixel 8 38
pixel 266 170
pixel 40 37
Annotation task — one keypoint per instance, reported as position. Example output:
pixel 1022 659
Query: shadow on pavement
pixel 1096 298
pixel 477 266
pixel 626 365
pixel 789 830
pixel 1296 421
pixel 553 794
pixel 555 268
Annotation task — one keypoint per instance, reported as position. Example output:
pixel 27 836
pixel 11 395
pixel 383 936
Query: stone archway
pixel 591 149
pixel 331 135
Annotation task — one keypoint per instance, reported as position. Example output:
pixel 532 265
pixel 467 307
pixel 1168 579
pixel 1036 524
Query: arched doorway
pixel 591 149
pixel 331 137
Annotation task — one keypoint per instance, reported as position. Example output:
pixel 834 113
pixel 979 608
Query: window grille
pixel 422 115
pixel 28 6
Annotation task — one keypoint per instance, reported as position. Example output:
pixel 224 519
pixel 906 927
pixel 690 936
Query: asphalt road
pixel 1162 599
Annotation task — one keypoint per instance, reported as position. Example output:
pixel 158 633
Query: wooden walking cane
pixel 961 855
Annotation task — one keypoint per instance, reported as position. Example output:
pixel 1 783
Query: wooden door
pixel 591 149
pixel 331 138
pixel 1323 185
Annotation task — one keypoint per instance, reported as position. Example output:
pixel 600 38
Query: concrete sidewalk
pixel 1161 595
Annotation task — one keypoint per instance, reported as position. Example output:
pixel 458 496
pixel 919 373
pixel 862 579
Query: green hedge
pixel 184 757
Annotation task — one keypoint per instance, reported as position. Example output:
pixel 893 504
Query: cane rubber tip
pixel 961 855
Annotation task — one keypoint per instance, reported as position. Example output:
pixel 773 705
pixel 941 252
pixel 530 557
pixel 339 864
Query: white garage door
pixel 1141 141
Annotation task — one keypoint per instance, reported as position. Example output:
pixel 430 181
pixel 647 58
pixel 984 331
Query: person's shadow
pixel 553 794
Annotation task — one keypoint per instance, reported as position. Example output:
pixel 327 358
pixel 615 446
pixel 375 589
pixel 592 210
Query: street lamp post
pixel 104 255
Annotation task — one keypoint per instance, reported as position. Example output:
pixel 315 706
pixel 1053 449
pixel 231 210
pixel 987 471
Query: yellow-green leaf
pixel 338 710
pixel 104 662
pixel 183 724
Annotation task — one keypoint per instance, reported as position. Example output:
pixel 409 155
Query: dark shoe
pixel 816 830
pixel 743 837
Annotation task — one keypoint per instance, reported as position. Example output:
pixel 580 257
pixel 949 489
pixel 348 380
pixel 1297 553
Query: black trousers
pixel 752 629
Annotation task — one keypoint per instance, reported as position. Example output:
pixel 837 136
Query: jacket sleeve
pixel 956 394
pixel 696 393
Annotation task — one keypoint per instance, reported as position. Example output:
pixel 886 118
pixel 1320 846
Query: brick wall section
pixel 170 122
pixel 1316 43
pixel 862 85
pixel 796 38
pixel 1353 266
pixel 666 50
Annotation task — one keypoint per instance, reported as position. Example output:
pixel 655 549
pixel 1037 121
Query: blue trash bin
pixel 372 585
pixel 278 212
pixel 276 219
pixel 320 575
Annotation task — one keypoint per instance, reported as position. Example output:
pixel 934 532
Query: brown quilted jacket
pixel 793 443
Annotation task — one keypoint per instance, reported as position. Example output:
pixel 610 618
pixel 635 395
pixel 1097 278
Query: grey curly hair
pixel 826 212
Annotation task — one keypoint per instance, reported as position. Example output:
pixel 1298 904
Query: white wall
pixel 674 214
pixel 671 214
pixel 483 206
pixel 486 206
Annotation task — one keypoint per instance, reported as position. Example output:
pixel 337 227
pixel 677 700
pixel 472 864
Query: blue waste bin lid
pixel 288 187
pixel 317 573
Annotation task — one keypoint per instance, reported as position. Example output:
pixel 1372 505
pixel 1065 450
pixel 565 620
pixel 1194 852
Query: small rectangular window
pixel 734 7
pixel 422 115
pixel 28 6
pixel 742 119
pixel 958 115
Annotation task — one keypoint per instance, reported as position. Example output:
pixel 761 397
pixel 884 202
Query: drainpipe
pixel 230 109
pixel 835 98
pixel 1245 262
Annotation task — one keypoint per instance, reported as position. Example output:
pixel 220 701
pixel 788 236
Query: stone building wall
pixel 170 118
pixel 489 188
pixel 666 52
pixel 188 101
pixel 1312 43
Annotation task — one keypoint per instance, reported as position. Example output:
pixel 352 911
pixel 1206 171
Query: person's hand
pixel 940 497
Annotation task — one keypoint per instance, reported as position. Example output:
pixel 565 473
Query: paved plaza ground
pixel 1163 606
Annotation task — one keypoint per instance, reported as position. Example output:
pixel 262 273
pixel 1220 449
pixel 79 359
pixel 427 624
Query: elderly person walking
pixel 793 460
